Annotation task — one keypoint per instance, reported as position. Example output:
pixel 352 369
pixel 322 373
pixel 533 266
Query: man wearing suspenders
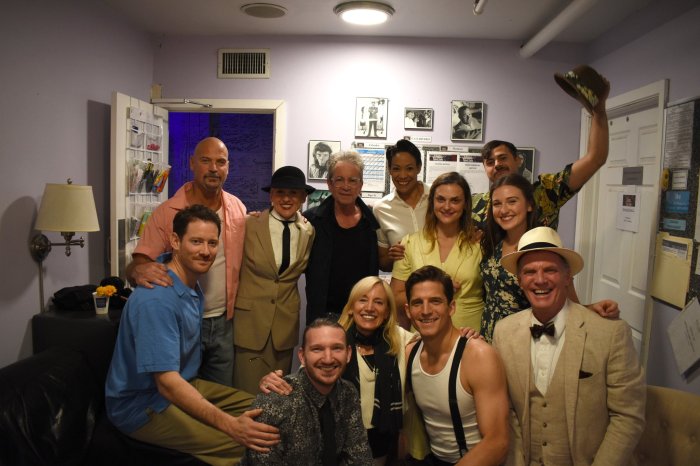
pixel 459 385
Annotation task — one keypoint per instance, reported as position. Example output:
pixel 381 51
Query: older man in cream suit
pixel 578 394
pixel 277 247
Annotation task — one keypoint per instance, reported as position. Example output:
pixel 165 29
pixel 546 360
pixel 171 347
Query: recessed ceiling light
pixel 364 13
pixel 264 10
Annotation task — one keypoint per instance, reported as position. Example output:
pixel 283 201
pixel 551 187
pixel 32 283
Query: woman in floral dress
pixel 510 214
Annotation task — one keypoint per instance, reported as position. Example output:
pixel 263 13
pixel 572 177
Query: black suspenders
pixel 451 391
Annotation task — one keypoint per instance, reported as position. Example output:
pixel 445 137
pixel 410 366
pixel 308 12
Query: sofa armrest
pixel 48 406
pixel 672 428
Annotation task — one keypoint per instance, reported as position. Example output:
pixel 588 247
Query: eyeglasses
pixel 339 181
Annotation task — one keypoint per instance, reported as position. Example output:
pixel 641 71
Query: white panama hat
pixel 542 239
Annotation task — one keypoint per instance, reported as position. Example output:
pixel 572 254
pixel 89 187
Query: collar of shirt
pixel 394 197
pixel 559 322
pixel 276 216
pixel 316 397
pixel 545 351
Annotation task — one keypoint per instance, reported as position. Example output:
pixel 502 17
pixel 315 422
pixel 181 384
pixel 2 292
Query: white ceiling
pixel 502 19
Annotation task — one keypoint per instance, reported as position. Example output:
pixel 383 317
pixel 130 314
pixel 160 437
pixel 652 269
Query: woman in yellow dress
pixel 448 241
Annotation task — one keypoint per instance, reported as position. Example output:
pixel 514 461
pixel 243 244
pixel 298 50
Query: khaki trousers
pixel 177 430
pixel 247 373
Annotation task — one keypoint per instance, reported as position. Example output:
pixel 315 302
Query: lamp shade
pixel 67 207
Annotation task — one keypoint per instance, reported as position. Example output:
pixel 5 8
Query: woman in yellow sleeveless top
pixel 448 241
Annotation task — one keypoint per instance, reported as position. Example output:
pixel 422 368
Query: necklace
pixel 369 360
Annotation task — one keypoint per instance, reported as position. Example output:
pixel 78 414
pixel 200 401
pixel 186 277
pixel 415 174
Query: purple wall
pixel 60 63
pixel 319 79
pixel 62 60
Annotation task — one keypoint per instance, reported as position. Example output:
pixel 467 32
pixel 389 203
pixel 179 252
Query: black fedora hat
pixel 584 84
pixel 289 177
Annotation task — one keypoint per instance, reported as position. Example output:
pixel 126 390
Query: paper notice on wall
pixel 684 333
pixel 472 169
pixel 438 163
pixel 628 207
pixel 671 276
pixel 374 174
pixel 678 135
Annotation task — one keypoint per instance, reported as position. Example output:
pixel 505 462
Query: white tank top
pixel 213 283
pixel 431 393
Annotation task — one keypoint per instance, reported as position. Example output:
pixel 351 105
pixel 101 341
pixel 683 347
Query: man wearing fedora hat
pixel 578 394
pixel 553 190
pixel 277 247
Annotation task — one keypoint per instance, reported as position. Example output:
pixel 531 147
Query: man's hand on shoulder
pixel 149 274
pixel 273 382
pixel 606 308
pixel 257 436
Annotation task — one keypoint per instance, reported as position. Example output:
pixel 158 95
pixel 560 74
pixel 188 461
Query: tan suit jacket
pixel 604 388
pixel 267 302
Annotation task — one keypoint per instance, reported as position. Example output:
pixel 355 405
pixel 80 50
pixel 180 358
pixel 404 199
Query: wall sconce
pixel 65 208
pixel 364 13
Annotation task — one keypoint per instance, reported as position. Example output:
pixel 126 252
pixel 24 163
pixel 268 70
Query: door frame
pixel 275 107
pixel 654 95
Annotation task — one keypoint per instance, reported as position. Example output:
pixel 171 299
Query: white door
pixel 139 133
pixel 618 262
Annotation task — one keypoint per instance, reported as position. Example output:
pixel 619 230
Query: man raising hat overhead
pixel 578 394
pixel 553 190
pixel 277 248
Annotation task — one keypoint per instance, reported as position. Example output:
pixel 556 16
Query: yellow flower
pixel 108 290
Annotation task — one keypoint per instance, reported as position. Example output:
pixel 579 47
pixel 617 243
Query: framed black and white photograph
pixel 371 117
pixel 418 118
pixel 315 198
pixel 467 121
pixel 526 160
pixel 319 156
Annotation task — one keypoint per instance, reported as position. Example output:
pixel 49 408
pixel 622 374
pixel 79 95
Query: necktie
pixel 538 330
pixel 286 240
pixel 328 434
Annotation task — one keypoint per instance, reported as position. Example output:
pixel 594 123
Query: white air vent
pixel 244 63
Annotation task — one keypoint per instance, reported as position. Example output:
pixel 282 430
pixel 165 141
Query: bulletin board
pixel 679 202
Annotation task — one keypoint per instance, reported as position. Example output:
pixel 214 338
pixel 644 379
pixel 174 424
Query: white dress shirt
pixel 397 219
pixel 276 229
pixel 545 351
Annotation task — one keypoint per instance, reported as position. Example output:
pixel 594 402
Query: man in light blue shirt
pixel 152 393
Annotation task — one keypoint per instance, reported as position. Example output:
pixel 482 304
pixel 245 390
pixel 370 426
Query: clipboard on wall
pixel 671 277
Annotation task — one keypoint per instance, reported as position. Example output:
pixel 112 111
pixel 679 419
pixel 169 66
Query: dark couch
pixel 52 403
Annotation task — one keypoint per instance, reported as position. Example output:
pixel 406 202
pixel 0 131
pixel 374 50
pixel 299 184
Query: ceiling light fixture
pixel 264 10
pixel 479 6
pixel 364 13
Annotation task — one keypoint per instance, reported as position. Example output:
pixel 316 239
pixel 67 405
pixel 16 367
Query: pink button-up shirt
pixel 156 236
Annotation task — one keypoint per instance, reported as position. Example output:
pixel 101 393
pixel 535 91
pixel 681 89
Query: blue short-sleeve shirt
pixel 160 331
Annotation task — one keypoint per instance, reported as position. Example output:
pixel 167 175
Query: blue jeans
pixel 217 350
